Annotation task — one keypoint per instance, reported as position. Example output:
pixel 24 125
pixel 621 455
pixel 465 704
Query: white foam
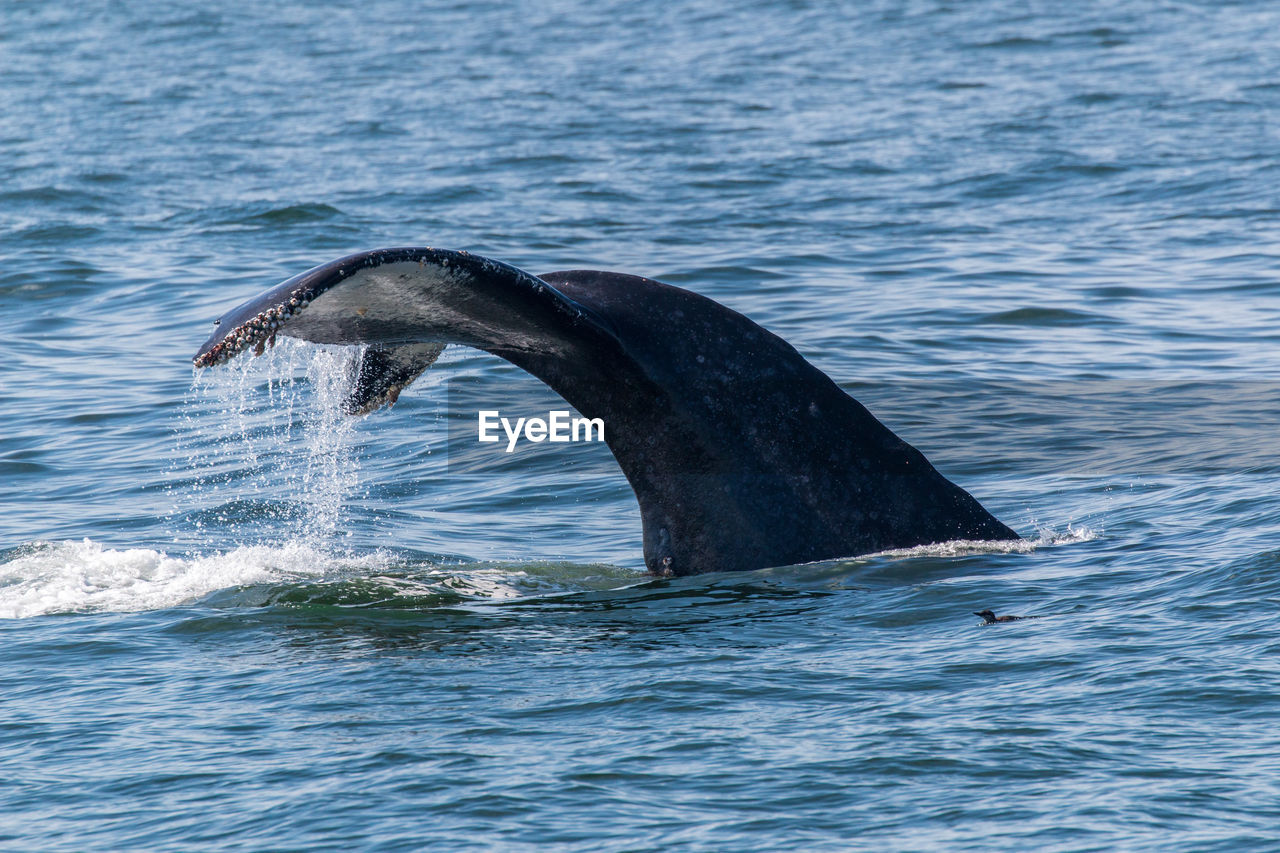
pixel 85 577
pixel 963 547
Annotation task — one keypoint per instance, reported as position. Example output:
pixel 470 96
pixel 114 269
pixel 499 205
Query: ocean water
pixel 1038 240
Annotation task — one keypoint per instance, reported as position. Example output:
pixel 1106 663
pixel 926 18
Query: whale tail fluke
pixel 741 454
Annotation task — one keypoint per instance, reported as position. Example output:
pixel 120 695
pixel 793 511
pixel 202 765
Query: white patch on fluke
pixel 406 294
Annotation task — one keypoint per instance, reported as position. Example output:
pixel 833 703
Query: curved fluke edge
pixel 742 455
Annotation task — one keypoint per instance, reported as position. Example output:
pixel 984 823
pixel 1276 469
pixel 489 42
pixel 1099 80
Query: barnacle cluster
pixel 258 332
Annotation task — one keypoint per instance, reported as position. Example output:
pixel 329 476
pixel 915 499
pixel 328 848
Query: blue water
pixel 1038 240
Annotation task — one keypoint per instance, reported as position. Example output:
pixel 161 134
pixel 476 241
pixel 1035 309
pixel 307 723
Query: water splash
pixel 44 578
pixel 267 453
pixel 332 468
pixel 85 577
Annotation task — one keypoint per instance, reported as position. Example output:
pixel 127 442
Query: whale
pixel 742 455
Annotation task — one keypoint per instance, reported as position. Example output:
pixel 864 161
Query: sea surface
pixel 1040 241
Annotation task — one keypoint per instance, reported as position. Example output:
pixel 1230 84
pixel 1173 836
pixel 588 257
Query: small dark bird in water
pixel 989 618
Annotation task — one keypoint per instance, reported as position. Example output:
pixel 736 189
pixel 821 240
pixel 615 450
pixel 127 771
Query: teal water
pixel 1038 241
